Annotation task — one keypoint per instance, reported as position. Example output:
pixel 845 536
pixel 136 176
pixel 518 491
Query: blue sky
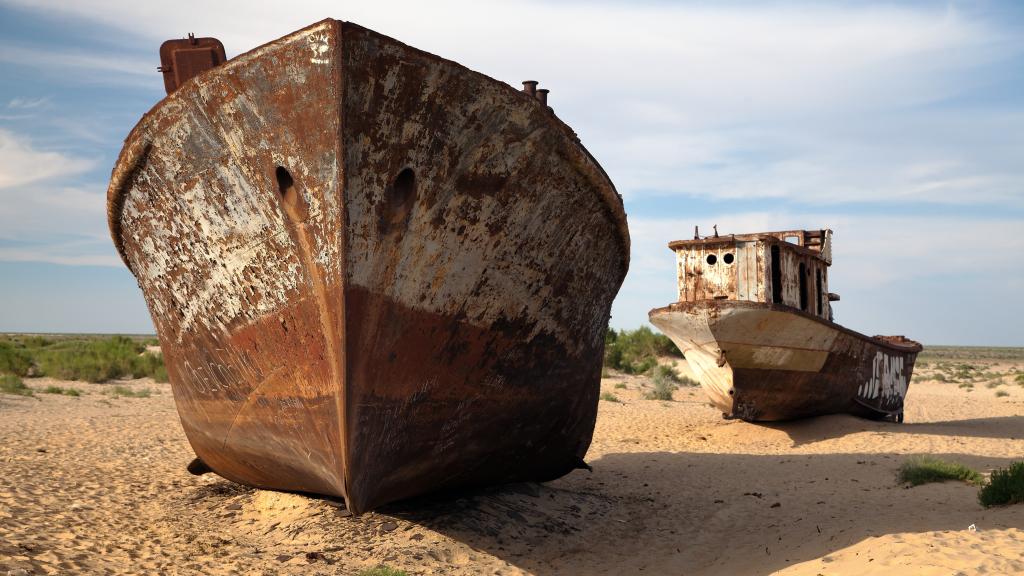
pixel 900 126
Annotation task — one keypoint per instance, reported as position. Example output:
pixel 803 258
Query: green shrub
pixel 665 383
pixel 382 571
pixel 1001 393
pixel 620 385
pixel 12 384
pixel 13 359
pixel 665 373
pixel 125 392
pixel 160 373
pixel 64 391
pixel 1019 379
pixel 609 397
pixel 636 351
pixel 98 360
pixel 1005 486
pixel 924 469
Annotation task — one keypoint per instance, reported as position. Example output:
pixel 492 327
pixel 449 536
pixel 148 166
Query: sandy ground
pixel 97 484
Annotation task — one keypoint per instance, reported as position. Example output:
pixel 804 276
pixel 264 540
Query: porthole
pixel 712 259
pixel 728 258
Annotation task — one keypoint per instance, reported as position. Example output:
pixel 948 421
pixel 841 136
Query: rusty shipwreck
pixel 374 273
pixel 754 321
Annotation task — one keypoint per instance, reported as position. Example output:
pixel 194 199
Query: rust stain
pixel 374 272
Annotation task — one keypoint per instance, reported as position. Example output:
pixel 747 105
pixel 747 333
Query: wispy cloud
pixel 28 103
pixel 22 164
pixel 80 65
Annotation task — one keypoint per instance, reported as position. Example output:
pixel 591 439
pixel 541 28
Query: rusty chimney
pixel 530 87
pixel 696 232
pixel 542 95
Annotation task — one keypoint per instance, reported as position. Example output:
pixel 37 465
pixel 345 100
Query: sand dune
pixel 98 485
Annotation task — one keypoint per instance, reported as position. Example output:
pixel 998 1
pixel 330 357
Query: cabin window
pixel 793 240
pixel 820 300
pixel 712 259
pixel 776 275
pixel 803 286
pixel 728 258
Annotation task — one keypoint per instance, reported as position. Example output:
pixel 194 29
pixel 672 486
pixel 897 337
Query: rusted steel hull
pixel 764 362
pixel 374 273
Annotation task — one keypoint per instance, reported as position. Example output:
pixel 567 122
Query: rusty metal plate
pixel 184 58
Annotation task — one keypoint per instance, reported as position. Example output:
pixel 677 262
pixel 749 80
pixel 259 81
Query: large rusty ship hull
pixel 374 273
pixel 766 362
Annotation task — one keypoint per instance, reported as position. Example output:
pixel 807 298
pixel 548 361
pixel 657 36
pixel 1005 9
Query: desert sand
pixel 97 484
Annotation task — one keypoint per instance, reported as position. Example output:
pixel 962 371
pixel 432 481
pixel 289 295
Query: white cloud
pixel 110 68
pixel 43 217
pixel 68 254
pixel 22 164
pixel 28 103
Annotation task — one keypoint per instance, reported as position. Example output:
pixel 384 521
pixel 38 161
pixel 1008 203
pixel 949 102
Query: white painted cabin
pixel 789 268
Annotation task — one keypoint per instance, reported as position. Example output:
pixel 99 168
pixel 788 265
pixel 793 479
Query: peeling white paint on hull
pixel 763 362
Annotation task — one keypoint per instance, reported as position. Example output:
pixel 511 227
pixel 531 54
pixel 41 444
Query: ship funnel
pixel 542 95
pixel 530 87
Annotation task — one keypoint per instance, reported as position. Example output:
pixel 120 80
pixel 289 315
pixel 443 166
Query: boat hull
pixel 373 272
pixel 764 362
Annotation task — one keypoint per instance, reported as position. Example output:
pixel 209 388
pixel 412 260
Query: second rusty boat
pixel 754 321
pixel 374 273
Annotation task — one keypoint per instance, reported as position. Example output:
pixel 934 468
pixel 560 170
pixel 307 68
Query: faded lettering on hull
pixel 887 384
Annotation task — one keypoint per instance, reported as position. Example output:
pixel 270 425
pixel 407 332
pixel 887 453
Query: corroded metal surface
pixel 374 273
pixel 182 59
pixel 763 362
pixel 754 323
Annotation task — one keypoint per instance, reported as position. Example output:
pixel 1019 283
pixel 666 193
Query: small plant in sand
pixel 609 397
pixel 382 571
pixel 924 469
pixel 11 384
pixel 1001 393
pixel 126 392
pixel 1019 379
pixel 1005 486
pixel 967 385
pixel 620 386
pixel 666 381
pixel 63 391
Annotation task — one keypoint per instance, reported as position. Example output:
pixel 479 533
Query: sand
pixel 97 484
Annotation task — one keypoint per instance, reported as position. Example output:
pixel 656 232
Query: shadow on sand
pixel 811 430
pixel 688 513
